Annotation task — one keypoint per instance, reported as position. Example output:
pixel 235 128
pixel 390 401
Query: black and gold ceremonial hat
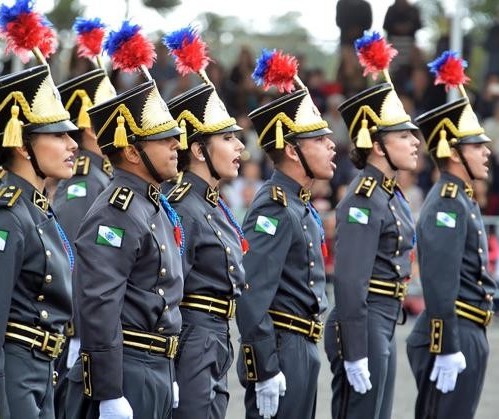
pixel 454 123
pixel 201 111
pixel 30 100
pixel 372 110
pixel 139 114
pixel 82 92
pixel 287 118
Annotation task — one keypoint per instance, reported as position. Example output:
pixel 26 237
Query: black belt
pixel 156 344
pixel 309 328
pixel 395 289
pixel 222 307
pixel 48 343
pixel 473 313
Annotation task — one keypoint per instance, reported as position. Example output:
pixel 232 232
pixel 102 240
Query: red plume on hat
pixel 90 38
pixel 449 71
pixel 375 55
pixel 276 69
pixel 26 30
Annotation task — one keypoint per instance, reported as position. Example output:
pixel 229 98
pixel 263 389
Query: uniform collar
pixel 386 183
pixel 138 185
pixel 462 185
pixel 291 186
pixel 102 163
pixel 39 199
pixel 201 187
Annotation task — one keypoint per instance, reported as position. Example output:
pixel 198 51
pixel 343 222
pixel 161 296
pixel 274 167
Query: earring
pixel 28 157
pixel 202 159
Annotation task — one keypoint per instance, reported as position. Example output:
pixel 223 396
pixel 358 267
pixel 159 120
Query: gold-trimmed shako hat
pixel 455 123
pixel 82 92
pixel 287 118
pixel 139 114
pixel 200 111
pixel 377 109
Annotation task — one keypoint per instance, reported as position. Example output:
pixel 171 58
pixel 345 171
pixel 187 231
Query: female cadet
pixel 35 256
pixel 374 240
pixel 212 263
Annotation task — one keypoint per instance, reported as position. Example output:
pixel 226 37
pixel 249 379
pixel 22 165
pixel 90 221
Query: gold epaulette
pixel 366 186
pixel 249 362
pixel 278 195
pixel 437 329
pixel 81 166
pixel 121 198
pixel 2 173
pixel 449 190
pixel 9 195
pixel 179 192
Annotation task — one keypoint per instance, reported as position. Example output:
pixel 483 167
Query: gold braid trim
pixel 376 119
pixel 196 123
pixel 125 112
pixel 78 93
pixel 286 120
pixel 446 122
pixel 30 116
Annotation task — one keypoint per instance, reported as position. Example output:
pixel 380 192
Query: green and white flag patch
pixel 110 236
pixel 3 239
pixel 77 190
pixel 446 219
pixel 267 225
pixel 358 215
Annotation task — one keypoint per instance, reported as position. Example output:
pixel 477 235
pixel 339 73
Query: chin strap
pixel 304 163
pixel 33 160
pixel 465 163
pixel 149 166
pixel 207 158
pixel 387 156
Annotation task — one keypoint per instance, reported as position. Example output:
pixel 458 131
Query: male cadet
pixel 448 346
pixel 129 267
pixel 279 315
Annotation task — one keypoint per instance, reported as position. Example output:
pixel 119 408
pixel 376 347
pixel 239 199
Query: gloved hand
pixel 358 375
pixel 115 409
pixel 267 395
pixel 175 395
pixel 445 370
pixel 73 352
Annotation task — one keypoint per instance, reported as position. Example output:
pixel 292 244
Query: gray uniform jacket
pixel 284 269
pixel 374 237
pixel 212 262
pixel 453 258
pixel 129 276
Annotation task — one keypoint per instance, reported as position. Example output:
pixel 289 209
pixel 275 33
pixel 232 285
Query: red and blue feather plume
pixel 274 68
pixel 90 36
pixel 26 30
pixel 449 70
pixel 188 49
pixel 129 49
pixel 374 54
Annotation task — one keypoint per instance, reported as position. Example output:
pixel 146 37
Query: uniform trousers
pixel 28 383
pixel 205 355
pixel 300 363
pixel 463 401
pixel 147 385
pixel 377 403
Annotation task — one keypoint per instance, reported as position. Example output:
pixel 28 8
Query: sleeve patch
pixel 358 215
pixel 446 219
pixel 77 190
pixel 267 225
pixel 4 234
pixel 110 236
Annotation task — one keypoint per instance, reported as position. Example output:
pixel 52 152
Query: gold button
pixel 161 329
pixel 84 357
pixel 400 238
pixel 437 335
pixel 44 314
pixel 219 233
pixel 311 283
pixel 480 250
pixel 473 216
pixel 488 297
pixel 397 252
pixel 162 272
pixel 248 361
pixel 161 292
pixel 398 223
pixel 319 299
pixel 250 375
pixel 162 247
pixel 246 286
pixel 48 279
pixel 397 267
pixel 392 207
pixel 231 268
pixel 480 283
pixel 312 264
pixel 247 350
pixel 166 308
pixel 153 226
pixel 435 347
pixel 48 253
pixel 40 231
pixel 41 298
pixel 208 216
pixel 479 232
pixel 305 227
pixel 310 245
pixel 227 249
pixel 85 374
pixel 483 268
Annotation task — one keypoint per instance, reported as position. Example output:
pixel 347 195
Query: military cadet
pixel 374 241
pixel 279 315
pixel 129 267
pixel 212 234
pixel 448 346
pixel 35 255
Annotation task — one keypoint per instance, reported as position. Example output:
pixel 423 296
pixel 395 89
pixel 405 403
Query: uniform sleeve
pixel 441 237
pixel 268 231
pixel 358 229
pixel 107 245
pixel 11 258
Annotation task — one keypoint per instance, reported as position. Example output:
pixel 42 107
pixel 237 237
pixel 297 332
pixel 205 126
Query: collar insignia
pixel 153 194
pixel 305 195
pixel 388 184
pixel 468 190
pixel 212 196
pixel 40 201
pixel 107 167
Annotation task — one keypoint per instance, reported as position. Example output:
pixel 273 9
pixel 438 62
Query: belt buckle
pixel 57 349
pixel 171 349
pixel 231 310
pixel 316 331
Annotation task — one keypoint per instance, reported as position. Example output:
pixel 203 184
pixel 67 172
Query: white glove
pixel 73 352
pixel 358 375
pixel 115 409
pixel 175 394
pixel 445 370
pixel 267 395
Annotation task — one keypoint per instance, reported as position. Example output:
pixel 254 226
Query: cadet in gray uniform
pixel 374 240
pixel 35 255
pixel 129 267
pixel 279 316
pixel 212 234
pixel 448 348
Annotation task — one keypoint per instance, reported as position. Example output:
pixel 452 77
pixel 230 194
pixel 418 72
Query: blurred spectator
pixel 491 127
pixel 488 97
pixel 349 74
pixel 240 76
pixel 491 46
pixel 163 71
pixel 423 92
pixel 315 81
pixel 353 17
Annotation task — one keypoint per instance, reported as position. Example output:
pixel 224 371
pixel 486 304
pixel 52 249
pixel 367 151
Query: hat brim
pixel 61 126
pixel 399 127
pixel 175 131
pixel 475 139
pixel 308 134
